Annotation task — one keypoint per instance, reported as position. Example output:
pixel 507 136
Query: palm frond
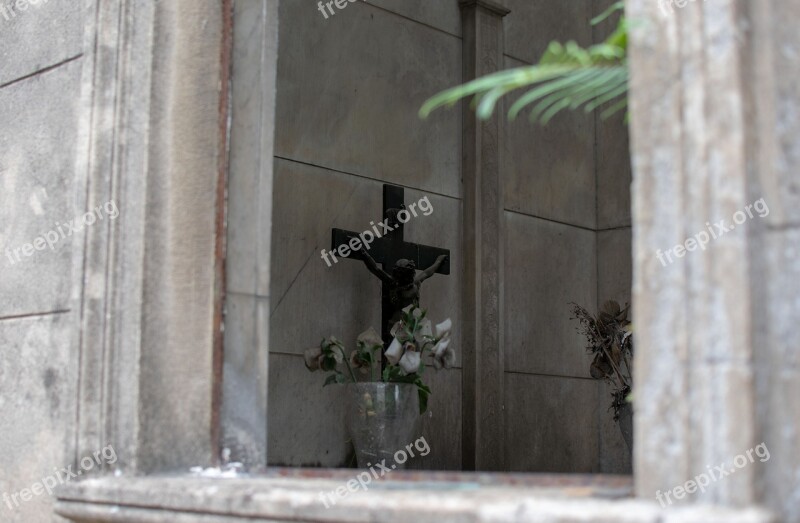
pixel 567 76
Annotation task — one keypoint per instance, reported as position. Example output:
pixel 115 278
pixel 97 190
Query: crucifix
pixel 399 259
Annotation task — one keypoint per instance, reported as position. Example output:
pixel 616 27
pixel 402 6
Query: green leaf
pixel 614 108
pixel 619 90
pixel 328 363
pixel 424 393
pixel 567 76
pixel 616 6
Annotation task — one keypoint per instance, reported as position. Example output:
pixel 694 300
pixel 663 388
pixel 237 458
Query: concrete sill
pixel 406 497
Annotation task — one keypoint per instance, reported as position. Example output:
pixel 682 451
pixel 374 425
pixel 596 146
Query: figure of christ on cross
pixel 399 260
pixel 403 283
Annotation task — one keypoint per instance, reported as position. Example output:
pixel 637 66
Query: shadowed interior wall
pixel 567 209
pixel 349 88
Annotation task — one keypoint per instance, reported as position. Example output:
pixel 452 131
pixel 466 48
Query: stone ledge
pixel 269 499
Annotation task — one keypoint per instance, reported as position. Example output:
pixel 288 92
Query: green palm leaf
pixel 566 77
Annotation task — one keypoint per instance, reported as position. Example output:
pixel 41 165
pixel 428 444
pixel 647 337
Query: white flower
pixel 394 352
pixel 443 329
pixel 425 331
pixel 440 348
pixel 417 313
pixel 443 355
pixel 410 362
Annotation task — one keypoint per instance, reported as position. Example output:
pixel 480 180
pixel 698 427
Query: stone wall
pixel 41 48
pixel 95 331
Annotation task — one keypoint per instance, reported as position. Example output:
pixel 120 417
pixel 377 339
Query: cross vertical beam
pixel 392 199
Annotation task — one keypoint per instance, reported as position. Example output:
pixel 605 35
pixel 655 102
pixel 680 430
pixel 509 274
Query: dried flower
pixel 358 361
pixel 313 358
pixel 370 339
pixel 610 342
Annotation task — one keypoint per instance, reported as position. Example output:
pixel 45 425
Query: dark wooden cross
pixel 389 248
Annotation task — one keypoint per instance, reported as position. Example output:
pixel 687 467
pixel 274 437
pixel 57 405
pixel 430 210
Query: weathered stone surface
pixel 531 26
pixel 36 176
pixel 614 271
pixel 548 420
pixel 483 220
pixel 249 232
pixel 306 421
pixel 441 424
pixel 548 265
pixel 177 393
pixel 662 440
pixel 705 382
pixel 549 171
pixel 252 135
pixel 332 76
pixel 466 497
pixel 613 454
pixel 612 148
pixel 443 16
pixel 42 34
pixel 778 368
pixel 775 68
pixel 38 382
pixel 613 165
pixel 244 379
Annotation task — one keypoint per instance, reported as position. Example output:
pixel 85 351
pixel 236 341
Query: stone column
pixel 482 383
pixel 772 111
pixel 154 129
pixel 714 109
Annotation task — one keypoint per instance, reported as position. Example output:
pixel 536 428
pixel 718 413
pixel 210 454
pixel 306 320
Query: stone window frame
pixel 153 82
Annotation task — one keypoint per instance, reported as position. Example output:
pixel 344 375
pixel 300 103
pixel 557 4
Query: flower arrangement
pixel 414 338
pixel 610 341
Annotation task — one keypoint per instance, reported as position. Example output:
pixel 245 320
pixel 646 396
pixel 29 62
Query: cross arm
pixel 425 257
pixel 340 237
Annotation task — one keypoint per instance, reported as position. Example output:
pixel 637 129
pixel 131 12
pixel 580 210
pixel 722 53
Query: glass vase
pixel 382 418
